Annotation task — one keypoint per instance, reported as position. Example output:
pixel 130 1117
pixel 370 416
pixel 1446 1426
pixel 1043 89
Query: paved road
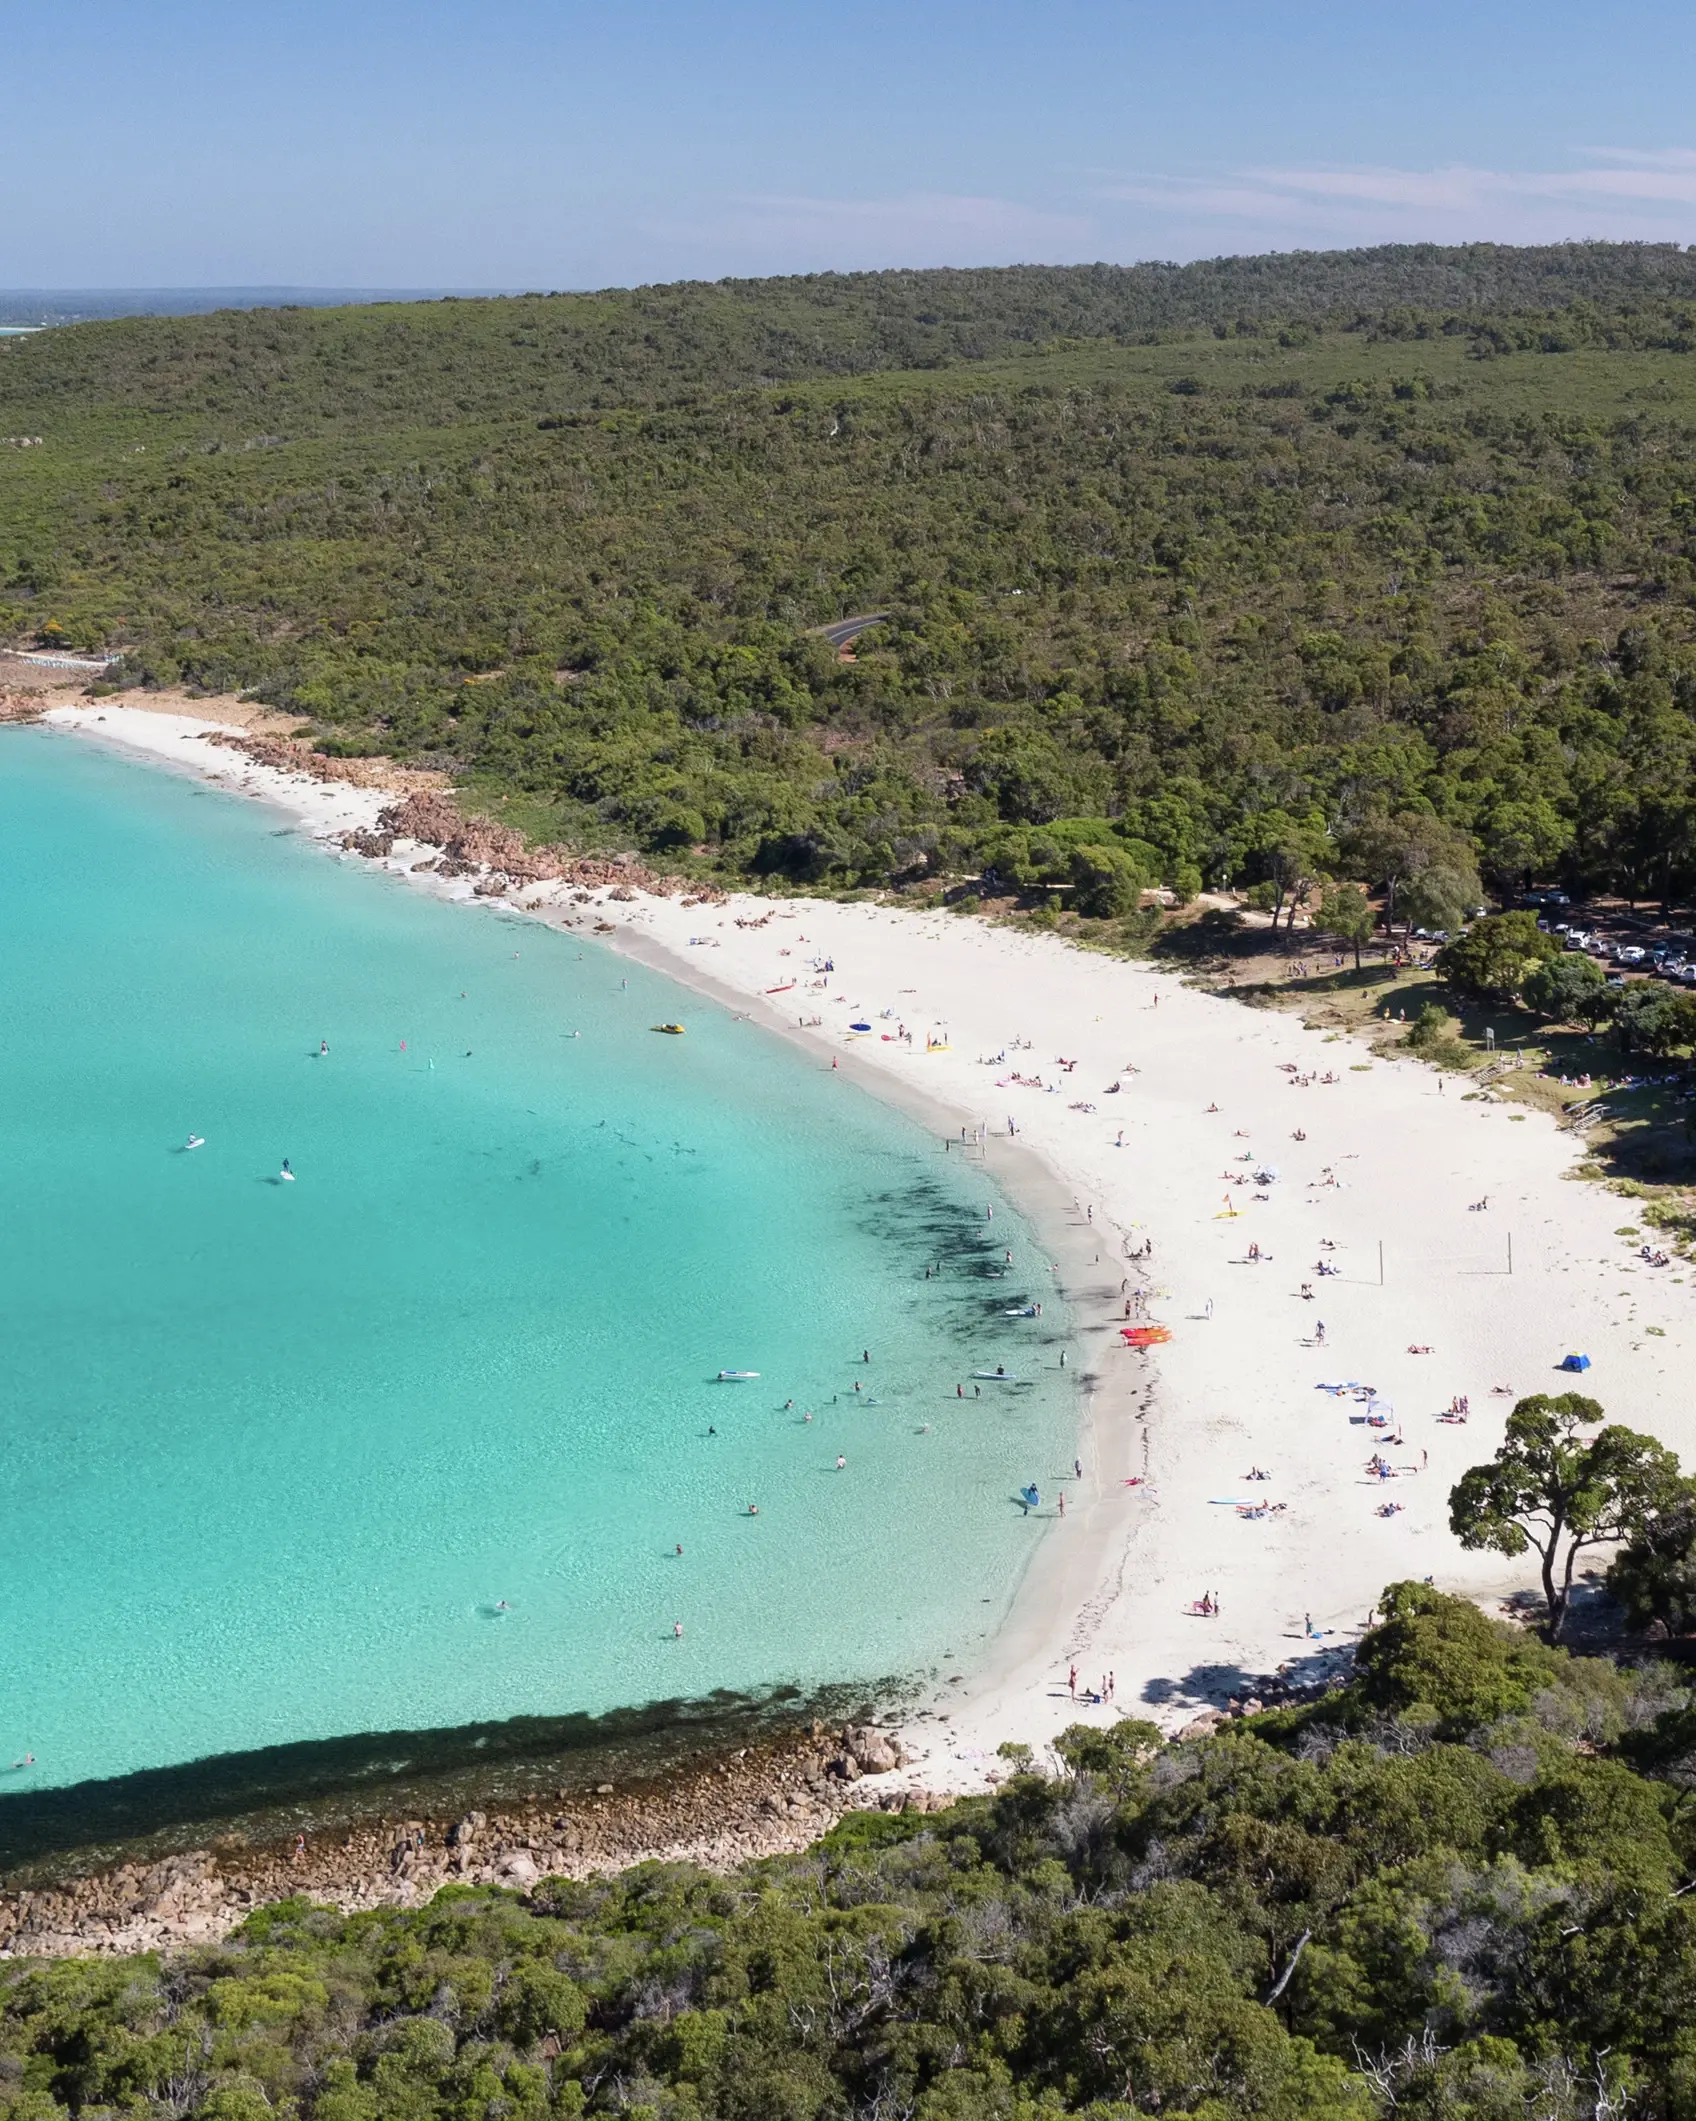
pixel 846 630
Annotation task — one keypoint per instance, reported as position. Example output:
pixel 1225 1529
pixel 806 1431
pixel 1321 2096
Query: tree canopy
pixel 1396 588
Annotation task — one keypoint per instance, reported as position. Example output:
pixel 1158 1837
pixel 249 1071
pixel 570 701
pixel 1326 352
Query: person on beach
pixel 1319 1332
pixel 1072 1682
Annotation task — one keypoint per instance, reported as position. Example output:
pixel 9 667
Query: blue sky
pixel 544 143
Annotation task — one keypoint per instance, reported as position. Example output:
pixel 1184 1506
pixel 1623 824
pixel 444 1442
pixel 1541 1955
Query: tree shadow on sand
pixel 1320 1662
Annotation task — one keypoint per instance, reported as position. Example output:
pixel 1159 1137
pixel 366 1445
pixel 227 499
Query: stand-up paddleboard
pixel 736 1377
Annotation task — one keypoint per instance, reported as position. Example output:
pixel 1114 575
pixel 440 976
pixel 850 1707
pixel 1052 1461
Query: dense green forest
pixel 1456 1887
pixel 1362 564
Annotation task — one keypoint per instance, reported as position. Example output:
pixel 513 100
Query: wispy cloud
pixel 1614 192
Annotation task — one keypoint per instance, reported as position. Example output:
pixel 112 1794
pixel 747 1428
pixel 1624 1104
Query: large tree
pixel 1492 957
pixel 1346 912
pixel 1426 867
pixel 1551 1490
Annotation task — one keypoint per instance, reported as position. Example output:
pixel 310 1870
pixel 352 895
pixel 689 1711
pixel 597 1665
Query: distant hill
pixel 1193 572
pixel 450 356
pixel 80 305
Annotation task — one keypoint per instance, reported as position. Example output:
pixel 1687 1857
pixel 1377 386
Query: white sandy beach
pixel 1238 1384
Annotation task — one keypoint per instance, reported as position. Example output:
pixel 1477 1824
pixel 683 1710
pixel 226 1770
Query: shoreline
pixel 716 1806
pixel 1241 1383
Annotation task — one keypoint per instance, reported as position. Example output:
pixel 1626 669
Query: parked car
pixel 1630 954
pixel 1578 939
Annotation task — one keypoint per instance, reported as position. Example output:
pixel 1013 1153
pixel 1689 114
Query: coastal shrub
pixel 1654 1575
pixel 1429 1036
pixel 1453 1879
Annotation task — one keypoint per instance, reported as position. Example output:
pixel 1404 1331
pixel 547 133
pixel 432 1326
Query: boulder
pixel 876 1751
pixel 1202 1725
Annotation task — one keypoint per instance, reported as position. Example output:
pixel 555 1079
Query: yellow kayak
pixel 675 1030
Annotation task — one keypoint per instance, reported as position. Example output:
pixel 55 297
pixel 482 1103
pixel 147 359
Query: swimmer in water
pixel 840 1461
pixel 323 1049
pixel 501 1606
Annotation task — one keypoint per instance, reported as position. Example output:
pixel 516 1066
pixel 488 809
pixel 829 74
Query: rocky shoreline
pixel 768 1799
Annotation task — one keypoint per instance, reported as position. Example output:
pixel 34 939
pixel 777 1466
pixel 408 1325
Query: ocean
pixel 413 1441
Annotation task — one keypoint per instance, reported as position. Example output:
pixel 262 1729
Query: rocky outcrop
pixel 21 706
pixel 765 1800
pixel 499 858
pixel 290 755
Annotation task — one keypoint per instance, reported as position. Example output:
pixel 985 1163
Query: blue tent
pixel 1576 1362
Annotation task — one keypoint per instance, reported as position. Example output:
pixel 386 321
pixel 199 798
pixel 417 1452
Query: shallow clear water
pixel 271 1454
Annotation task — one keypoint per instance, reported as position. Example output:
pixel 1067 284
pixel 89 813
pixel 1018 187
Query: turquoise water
pixel 271 1455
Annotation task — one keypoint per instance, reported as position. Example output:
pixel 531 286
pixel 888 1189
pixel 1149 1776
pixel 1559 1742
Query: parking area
pixel 1632 945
